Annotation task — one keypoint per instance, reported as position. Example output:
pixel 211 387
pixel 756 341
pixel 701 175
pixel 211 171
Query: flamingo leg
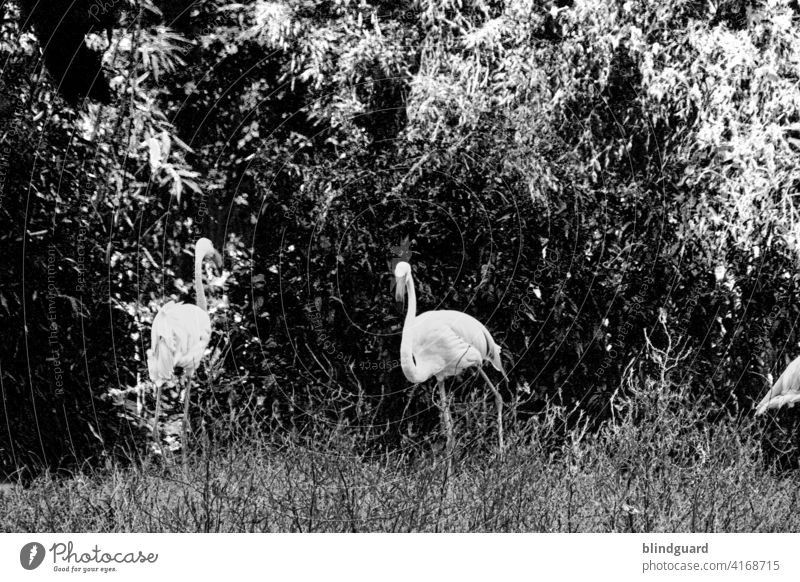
pixel 186 421
pixel 158 413
pixel 499 402
pixel 447 420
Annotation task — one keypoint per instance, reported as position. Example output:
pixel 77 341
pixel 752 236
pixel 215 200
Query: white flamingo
pixel 180 334
pixel 444 343
pixel 786 391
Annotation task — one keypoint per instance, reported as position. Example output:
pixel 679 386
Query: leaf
pixel 154 150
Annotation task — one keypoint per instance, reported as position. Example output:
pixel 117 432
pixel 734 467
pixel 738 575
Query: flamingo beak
pixel 217 258
pixel 400 288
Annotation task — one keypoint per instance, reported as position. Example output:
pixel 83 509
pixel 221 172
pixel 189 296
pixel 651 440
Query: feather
pixel 180 335
pixel 447 342
pixel 785 392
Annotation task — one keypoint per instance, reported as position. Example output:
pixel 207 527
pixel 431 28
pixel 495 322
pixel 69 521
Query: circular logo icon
pixel 31 555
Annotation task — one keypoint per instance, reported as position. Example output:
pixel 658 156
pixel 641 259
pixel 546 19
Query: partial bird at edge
pixel 784 392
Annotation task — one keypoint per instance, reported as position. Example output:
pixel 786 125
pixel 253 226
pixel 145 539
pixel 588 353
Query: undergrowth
pixel 658 464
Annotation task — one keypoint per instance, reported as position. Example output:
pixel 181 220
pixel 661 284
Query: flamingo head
pixel 402 272
pixel 204 248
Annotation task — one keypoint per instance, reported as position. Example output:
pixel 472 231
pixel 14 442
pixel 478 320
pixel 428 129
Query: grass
pixel 657 465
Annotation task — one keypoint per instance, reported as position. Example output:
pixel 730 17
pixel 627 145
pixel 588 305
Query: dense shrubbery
pixel 574 174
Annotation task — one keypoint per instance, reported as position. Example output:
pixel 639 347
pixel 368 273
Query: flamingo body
pixel 445 343
pixel 180 335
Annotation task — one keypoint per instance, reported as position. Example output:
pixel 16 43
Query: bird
pixel 179 336
pixel 443 343
pixel 786 391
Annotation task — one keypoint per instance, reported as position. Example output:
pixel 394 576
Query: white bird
pixel 444 343
pixel 786 391
pixel 179 336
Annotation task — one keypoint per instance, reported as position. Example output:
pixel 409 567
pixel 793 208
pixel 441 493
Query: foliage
pixel 578 175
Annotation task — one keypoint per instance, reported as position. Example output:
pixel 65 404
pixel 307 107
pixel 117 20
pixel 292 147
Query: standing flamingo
pixel 786 391
pixel 444 343
pixel 179 336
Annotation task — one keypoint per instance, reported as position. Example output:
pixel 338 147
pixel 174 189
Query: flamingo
pixel 786 391
pixel 444 343
pixel 179 335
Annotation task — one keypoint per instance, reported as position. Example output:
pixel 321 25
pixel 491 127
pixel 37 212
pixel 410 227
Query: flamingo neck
pixel 199 292
pixel 411 313
pixel 411 371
